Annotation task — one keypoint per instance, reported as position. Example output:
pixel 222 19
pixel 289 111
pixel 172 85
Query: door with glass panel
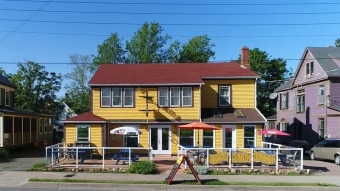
pixel 159 139
pixel 229 136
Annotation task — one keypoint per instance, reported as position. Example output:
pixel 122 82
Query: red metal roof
pixel 85 117
pixel 184 73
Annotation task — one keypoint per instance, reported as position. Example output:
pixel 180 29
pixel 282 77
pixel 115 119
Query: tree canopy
pixel 150 45
pixel 337 42
pixel 36 88
pixel 273 73
pixel 77 94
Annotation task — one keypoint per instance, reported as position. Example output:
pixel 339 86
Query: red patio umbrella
pixel 198 125
pixel 273 132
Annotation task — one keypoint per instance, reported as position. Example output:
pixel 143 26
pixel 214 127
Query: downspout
pixel 200 103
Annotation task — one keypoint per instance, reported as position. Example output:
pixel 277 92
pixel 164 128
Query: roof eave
pixel 229 77
pixel 66 122
pixel 169 84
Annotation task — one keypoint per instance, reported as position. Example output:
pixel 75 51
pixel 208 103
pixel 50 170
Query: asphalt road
pixel 22 160
pixel 70 187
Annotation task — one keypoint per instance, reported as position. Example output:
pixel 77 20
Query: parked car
pixel 300 144
pixel 328 149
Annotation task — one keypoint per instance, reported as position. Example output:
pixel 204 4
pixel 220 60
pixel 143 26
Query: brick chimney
pixel 245 57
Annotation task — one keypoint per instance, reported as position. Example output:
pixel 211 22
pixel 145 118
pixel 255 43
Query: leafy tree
pixel 337 42
pixel 273 73
pixel 77 91
pixel 147 45
pixel 36 88
pixel 111 51
pixel 198 49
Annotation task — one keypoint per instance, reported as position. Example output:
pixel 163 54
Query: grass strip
pixel 191 182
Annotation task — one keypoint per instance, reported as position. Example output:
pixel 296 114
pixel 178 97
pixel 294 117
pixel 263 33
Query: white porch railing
pixel 57 152
pixel 244 157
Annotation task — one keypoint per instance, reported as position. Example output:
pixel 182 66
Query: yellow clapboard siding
pixel 242 93
pixel 218 136
pixel 258 136
pixel 174 140
pixel 239 136
pixel 173 113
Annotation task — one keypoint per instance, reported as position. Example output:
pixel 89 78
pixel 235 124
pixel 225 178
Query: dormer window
pixel 310 69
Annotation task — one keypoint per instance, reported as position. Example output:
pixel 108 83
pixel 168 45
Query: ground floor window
pixel 186 137
pixel 208 138
pixel 83 133
pixel 321 128
pixel 132 140
pixel 249 136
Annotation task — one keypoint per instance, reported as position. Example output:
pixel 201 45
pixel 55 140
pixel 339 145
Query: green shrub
pixel 143 167
pixel 4 154
pixel 202 170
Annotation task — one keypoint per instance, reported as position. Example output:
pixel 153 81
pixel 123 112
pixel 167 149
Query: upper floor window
pixel 300 101
pixel 163 97
pixel 284 100
pixel 106 97
pixel 174 96
pixel 309 69
pixel 117 97
pixel 224 96
pixel 321 95
pixel 271 124
pixel 187 96
pixel 7 98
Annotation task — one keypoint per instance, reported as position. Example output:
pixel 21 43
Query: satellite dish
pixel 273 95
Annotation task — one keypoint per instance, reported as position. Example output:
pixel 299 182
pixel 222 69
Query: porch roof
pixel 86 118
pixel 232 115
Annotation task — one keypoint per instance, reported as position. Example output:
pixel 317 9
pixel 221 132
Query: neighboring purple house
pixel 308 105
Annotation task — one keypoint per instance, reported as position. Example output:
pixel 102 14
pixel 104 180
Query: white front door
pixel 160 139
pixel 229 136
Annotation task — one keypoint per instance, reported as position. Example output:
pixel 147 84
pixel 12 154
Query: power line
pixel 184 4
pixel 181 36
pixel 217 61
pixel 8 35
pixel 172 24
pixel 169 13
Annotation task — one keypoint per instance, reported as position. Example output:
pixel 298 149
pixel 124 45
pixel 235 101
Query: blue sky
pixel 65 27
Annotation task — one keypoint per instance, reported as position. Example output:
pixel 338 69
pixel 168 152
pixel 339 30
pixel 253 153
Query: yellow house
pixel 19 128
pixel 156 98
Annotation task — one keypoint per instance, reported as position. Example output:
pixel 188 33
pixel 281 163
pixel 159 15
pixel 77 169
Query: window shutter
pixel 2 96
pixel 280 101
pixel 11 99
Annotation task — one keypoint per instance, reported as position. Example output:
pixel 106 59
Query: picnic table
pixel 123 155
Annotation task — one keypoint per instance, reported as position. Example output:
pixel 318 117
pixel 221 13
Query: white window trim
pixel 132 97
pixel 213 138
pixel 186 96
pixel 167 96
pixel 178 99
pixel 324 95
pixel 219 96
pixel 121 97
pixel 101 97
pixel 89 132
pixel 254 133
pixel 281 126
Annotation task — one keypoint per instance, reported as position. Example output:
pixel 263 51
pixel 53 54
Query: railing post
pixel 46 156
pixel 77 154
pixel 277 158
pixel 129 156
pixel 103 148
pixel 229 158
pixel 208 154
pixel 301 160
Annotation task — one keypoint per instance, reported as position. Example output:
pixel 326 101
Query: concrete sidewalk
pixel 21 178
